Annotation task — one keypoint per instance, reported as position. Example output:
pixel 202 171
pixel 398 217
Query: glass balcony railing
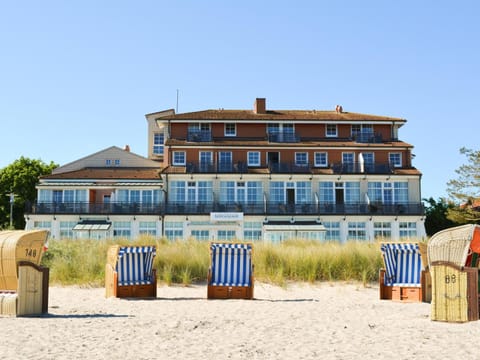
pixel 205 208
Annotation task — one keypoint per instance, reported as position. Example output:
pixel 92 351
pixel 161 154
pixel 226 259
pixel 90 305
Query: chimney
pixel 127 148
pixel 259 107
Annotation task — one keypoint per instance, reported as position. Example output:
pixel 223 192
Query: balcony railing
pixel 289 168
pixel 367 137
pixel 356 168
pixel 69 208
pixel 199 135
pixel 260 208
pixel 222 167
pixel 283 137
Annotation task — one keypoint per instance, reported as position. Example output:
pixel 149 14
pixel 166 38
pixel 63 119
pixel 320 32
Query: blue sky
pixel 77 77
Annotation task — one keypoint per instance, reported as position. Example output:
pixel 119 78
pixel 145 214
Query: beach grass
pixel 82 262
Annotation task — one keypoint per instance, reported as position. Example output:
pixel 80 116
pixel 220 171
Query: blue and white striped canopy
pixel 135 264
pixel 231 264
pixel 403 264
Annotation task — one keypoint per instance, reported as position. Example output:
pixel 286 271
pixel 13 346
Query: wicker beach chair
pixel 129 272
pixel 23 282
pixel 230 275
pixel 403 277
pixel 453 256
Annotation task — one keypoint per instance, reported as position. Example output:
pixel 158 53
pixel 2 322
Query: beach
pixel 299 321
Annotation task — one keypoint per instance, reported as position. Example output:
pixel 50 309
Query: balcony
pixel 283 137
pixel 265 209
pixel 238 167
pixel 368 137
pixel 356 168
pixel 289 168
pixel 199 135
pixel 69 208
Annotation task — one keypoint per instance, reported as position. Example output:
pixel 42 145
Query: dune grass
pixel 82 262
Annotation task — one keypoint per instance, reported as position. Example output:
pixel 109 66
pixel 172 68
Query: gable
pixel 117 157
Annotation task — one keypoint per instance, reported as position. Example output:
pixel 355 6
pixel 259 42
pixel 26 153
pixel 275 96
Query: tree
pixel 436 215
pixel 20 178
pixel 466 189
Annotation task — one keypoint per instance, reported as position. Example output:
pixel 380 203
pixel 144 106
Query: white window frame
pixel 228 132
pixel 158 143
pixel 348 153
pixel 328 133
pixel 200 159
pixel 395 163
pixel 319 164
pixel 178 163
pixel 251 163
pixel 306 158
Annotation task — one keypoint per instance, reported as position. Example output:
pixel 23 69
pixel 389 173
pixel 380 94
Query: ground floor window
pixel 174 230
pixel 42 225
pixel 356 231
pixel 333 231
pixel 226 235
pixel 122 229
pixel 408 230
pixel 382 230
pixel 66 231
pixel 252 231
pixel 279 236
pixel 148 228
pixel 201 234
pixel 311 235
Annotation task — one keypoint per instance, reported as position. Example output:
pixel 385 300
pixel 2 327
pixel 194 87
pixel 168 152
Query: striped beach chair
pixel 401 279
pixel 230 275
pixel 129 272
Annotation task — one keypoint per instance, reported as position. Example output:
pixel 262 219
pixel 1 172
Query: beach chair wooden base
pixel 400 293
pixel 137 291
pixel 454 292
pixel 131 291
pixel 31 296
pixel 230 292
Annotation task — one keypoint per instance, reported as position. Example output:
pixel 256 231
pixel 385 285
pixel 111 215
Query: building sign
pixel 226 216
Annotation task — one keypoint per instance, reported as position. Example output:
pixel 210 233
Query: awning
pixel 87 225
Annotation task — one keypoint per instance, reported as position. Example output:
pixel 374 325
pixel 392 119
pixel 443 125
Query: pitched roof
pixel 311 115
pixel 107 174
pixel 98 159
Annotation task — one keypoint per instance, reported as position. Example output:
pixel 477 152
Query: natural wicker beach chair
pixel 129 272
pixel 401 279
pixel 230 275
pixel 23 282
pixel 453 256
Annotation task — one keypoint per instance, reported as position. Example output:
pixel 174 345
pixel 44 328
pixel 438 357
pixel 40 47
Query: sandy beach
pixel 301 321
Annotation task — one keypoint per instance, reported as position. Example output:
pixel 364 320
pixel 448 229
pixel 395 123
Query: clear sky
pixel 77 77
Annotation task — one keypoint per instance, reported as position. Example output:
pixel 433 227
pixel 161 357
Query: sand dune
pixel 327 321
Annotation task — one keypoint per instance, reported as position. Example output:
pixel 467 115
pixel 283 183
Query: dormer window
pixel 331 130
pixel 230 129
